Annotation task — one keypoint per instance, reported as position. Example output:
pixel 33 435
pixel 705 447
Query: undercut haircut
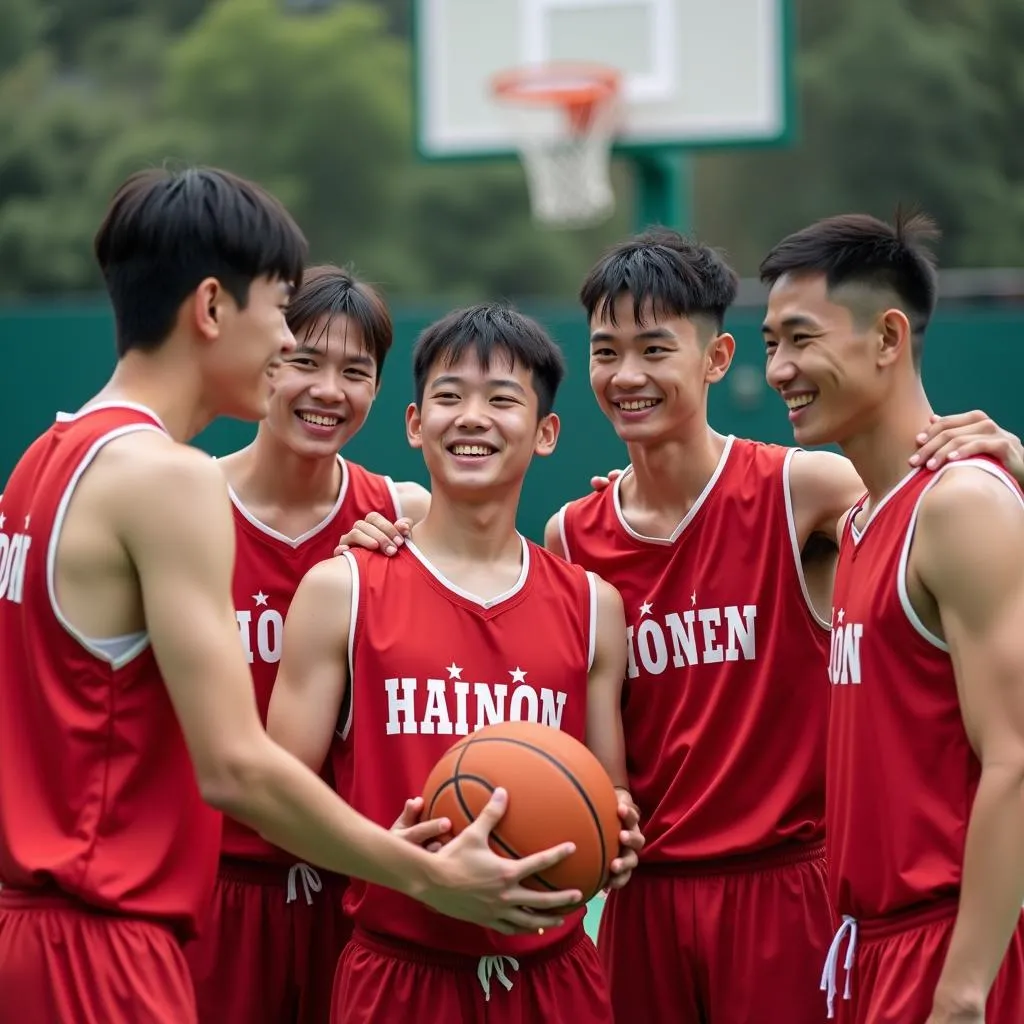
pixel 492 331
pixel 855 249
pixel 165 231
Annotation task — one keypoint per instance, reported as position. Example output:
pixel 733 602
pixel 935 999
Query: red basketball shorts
pixel 735 942
pixel 896 966
pixel 381 981
pixel 269 948
pixel 61 962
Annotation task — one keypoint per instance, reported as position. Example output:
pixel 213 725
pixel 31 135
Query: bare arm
pixel 414 499
pixel 604 723
pixel 174 518
pixel 604 689
pixel 822 486
pixel 313 674
pixel 973 571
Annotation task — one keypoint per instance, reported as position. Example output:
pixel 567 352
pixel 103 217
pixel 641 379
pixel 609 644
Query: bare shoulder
pixel 609 600
pixel 972 501
pixel 328 581
pixel 553 535
pixel 822 487
pixel 414 499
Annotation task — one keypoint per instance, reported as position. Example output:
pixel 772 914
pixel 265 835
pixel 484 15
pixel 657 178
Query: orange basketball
pixel 557 792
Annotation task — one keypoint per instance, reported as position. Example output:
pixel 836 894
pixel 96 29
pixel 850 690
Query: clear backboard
pixel 694 73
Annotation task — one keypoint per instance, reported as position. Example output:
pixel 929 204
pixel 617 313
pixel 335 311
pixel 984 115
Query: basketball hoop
pixel 564 119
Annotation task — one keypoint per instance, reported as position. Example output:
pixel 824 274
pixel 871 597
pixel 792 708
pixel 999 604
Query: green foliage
pixel 915 101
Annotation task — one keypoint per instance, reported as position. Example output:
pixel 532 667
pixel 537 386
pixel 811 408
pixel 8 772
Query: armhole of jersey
pixel 563 532
pixel 592 630
pixel 115 651
pixel 794 541
pixel 395 500
pixel 901 573
pixel 348 704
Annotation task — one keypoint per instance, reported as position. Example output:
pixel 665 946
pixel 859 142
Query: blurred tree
pixel 24 24
pixel 902 100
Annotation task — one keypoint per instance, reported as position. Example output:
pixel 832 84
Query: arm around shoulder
pixel 822 486
pixel 313 673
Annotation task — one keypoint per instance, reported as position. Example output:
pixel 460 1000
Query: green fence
pixel 57 355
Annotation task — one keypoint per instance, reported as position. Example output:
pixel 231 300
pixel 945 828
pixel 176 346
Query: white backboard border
pixel 454 149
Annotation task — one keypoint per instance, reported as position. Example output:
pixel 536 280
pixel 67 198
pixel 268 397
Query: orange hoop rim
pixel 577 87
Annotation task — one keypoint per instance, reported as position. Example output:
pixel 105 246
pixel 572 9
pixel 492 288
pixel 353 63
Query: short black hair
pixel 165 231
pixel 676 275
pixel 857 249
pixel 492 330
pixel 327 292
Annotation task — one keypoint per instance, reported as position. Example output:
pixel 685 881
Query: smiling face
pixel 246 347
pixel 478 425
pixel 323 389
pixel 651 378
pixel 830 361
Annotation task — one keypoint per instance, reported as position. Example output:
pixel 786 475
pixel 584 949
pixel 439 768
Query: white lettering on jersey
pixel 14 550
pixel 697 636
pixel 268 628
pixel 449 703
pixel 844 658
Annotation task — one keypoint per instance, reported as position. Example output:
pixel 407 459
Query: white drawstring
pixel 310 882
pixel 828 975
pixel 495 965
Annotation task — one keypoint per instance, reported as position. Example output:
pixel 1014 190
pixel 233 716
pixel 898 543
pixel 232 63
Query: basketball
pixel 557 792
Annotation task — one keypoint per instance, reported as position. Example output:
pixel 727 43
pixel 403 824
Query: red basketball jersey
pixel 901 772
pixel 431 663
pixel 268 570
pixel 726 700
pixel 98 795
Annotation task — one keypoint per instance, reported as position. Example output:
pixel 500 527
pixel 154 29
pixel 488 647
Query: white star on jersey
pixel 517 674
pixel 3 519
pixel 260 599
pixel 693 599
pixel 842 614
pixel 645 608
pixel 454 672
pixel 28 519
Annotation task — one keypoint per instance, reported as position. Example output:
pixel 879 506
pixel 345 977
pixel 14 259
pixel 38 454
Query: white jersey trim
pixel 295 542
pixel 901 573
pixel 353 618
pixel 856 532
pixel 116 651
pixel 465 594
pixel 562 534
pixel 70 417
pixel 592 631
pixel 694 508
pixel 794 540
pixel 396 501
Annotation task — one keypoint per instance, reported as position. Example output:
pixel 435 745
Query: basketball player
pixel 469 623
pixel 723 551
pixel 128 709
pixel 926 721
pixel 268 949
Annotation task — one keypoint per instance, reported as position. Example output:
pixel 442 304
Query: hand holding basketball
pixel 630 837
pixel 480 886
pixel 412 830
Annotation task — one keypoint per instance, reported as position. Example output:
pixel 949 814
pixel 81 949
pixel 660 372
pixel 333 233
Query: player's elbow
pixel 231 776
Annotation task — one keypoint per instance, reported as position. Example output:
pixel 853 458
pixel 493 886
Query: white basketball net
pixel 568 171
